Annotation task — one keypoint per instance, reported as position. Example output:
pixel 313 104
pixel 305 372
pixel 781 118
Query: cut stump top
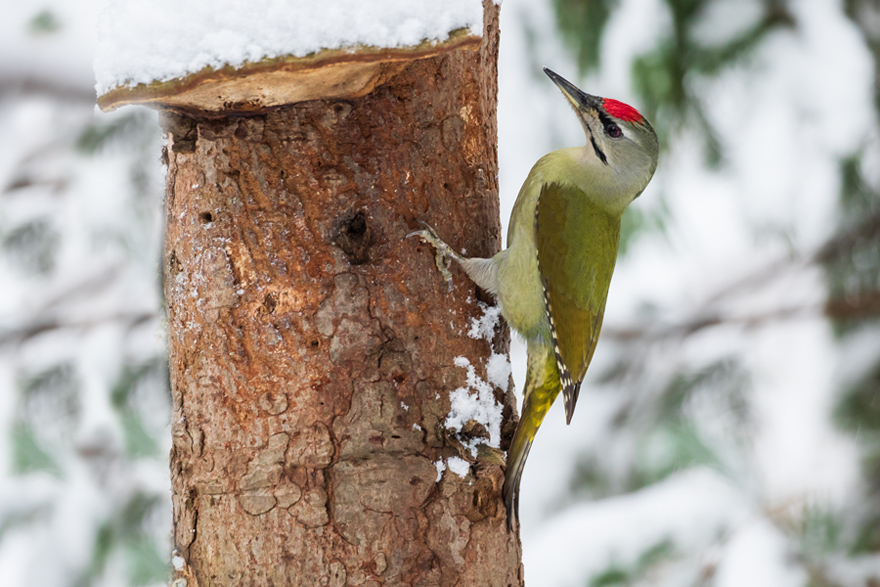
pixel 255 86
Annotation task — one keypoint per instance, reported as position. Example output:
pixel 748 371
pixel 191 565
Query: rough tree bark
pixel 312 345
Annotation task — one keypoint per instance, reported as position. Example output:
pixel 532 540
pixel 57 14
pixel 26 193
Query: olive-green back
pixel 577 244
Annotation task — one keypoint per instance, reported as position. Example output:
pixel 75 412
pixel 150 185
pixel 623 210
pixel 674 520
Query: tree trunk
pixel 313 346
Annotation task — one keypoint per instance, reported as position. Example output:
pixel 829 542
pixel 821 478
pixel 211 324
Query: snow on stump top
pixel 229 55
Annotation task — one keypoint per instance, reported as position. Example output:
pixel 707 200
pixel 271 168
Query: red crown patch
pixel 621 111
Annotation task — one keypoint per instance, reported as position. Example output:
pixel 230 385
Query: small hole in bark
pixel 395 436
pixel 315 343
pixel 206 217
pixel 399 378
pixel 354 238
pixel 270 303
pixel 241 132
pixel 445 186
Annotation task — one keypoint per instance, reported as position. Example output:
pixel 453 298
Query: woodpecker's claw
pixel 444 254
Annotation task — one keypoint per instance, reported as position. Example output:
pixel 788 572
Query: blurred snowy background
pixel 728 433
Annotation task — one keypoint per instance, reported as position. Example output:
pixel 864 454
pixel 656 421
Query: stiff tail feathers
pixel 516 462
pixel 570 398
pixel 542 388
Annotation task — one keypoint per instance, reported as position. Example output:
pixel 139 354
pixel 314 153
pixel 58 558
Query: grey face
pixel 629 150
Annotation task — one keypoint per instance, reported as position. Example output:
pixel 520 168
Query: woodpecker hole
pixel 354 238
pixel 241 132
pixel 206 218
pixel 270 303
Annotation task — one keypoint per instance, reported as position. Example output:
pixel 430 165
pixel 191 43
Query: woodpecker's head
pixel 621 139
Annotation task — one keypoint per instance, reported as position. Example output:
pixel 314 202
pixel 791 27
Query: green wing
pixel 577 248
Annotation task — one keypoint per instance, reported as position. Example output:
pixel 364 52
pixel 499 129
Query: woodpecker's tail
pixel 570 398
pixel 541 389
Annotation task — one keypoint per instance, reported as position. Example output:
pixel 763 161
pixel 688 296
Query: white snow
pixel 774 195
pixel 141 41
pixel 590 537
pixel 459 466
pixel 475 402
pixel 440 465
pixel 498 370
pixel 484 326
pixel 752 558
pixel 177 561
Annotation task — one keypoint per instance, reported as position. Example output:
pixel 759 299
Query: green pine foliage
pixel 581 23
pixel 28 455
pixel 32 247
pixel 48 410
pixel 664 77
pixel 666 435
pixel 135 382
pixel 130 129
pixel 44 22
pixel 851 259
pixel 637 221
pixel 129 533
pixel 859 407
pixel 48 196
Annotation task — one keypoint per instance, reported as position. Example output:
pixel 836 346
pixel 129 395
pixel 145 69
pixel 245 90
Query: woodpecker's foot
pixel 444 253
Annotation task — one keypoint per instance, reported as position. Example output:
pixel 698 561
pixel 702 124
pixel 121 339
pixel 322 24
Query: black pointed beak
pixel 579 99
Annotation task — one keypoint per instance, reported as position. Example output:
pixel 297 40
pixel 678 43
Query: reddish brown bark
pixel 312 344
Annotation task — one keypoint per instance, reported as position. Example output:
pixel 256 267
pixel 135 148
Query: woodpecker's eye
pixel 613 131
